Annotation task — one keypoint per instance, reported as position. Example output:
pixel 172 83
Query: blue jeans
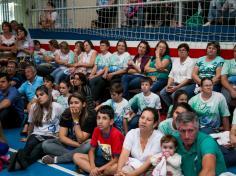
pixel 64 155
pixel 229 156
pixel 168 97
pixel 3 148
pixel 158 85
pixel 130 82
pixel 58 74
pixel 190 89
pixel 134 122
pixel 232 79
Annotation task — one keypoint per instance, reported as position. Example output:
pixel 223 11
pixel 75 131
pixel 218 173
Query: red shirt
pixel 107 146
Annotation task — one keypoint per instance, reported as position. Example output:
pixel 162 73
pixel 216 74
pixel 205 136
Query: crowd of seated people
pixel 63 93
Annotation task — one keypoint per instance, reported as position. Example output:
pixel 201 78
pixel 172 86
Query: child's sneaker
pixel 47 159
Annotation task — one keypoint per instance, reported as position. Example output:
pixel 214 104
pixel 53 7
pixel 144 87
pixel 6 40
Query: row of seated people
pixel 104 67
pixel 77 124
pixel 60 62
pixel 15 41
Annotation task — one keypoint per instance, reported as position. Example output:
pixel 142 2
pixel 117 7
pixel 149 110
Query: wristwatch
pixel 76 123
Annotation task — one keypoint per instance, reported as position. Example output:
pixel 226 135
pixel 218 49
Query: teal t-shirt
pixel 102 60
pixel 211 111
pixel 139 102
pixel 166 127
pixel 118 62
pixel 234 117
pixel 229 68
pixel 63 101
pixel 192 159
pixel 208 69
pixel 169 111
pixel 120 109
pixel 158 74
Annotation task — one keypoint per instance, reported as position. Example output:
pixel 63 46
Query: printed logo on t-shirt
pixel 104 150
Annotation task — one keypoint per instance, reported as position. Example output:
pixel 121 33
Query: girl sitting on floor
pixel 44 118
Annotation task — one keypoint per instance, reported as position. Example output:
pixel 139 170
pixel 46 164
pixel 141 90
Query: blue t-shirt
pixel 14 97
pixel 28 89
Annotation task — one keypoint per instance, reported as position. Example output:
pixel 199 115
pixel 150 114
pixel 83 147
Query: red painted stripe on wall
pixel 194 53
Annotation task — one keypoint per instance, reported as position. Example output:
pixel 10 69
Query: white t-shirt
pixel 181 71
pixel 54 16
pixel 69 57
pixel 8 42
pixel 24 44
pixel 132 143
pixel 85 58
pixel 48 128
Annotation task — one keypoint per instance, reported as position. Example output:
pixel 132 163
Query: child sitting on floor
pixel 64 88
pixel 48 81
pixel 106 146
pixel 167 157
pixel 120 106
pixel 142 100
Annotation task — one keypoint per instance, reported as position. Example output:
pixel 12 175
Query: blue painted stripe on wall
pixel 193 34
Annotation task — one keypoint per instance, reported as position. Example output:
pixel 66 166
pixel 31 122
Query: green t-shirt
pixel 118 61
pixel 169 111
pixel 192 159
pixel 158 74
pixel 102 60
pixel 166 127
pixel 211 111
pixel 208 69
pixel 229 68
pixel 139 102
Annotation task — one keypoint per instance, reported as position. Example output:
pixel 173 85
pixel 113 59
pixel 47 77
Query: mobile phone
pixel 40 138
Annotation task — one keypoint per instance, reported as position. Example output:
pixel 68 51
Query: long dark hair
pixel 122 41
pixel 38 109
pixel 84 112
pixel 178 93
pixel 84 88
pixel 182 105
pixel 167 52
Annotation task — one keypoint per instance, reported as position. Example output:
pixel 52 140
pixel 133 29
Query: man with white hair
pixel 29 87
